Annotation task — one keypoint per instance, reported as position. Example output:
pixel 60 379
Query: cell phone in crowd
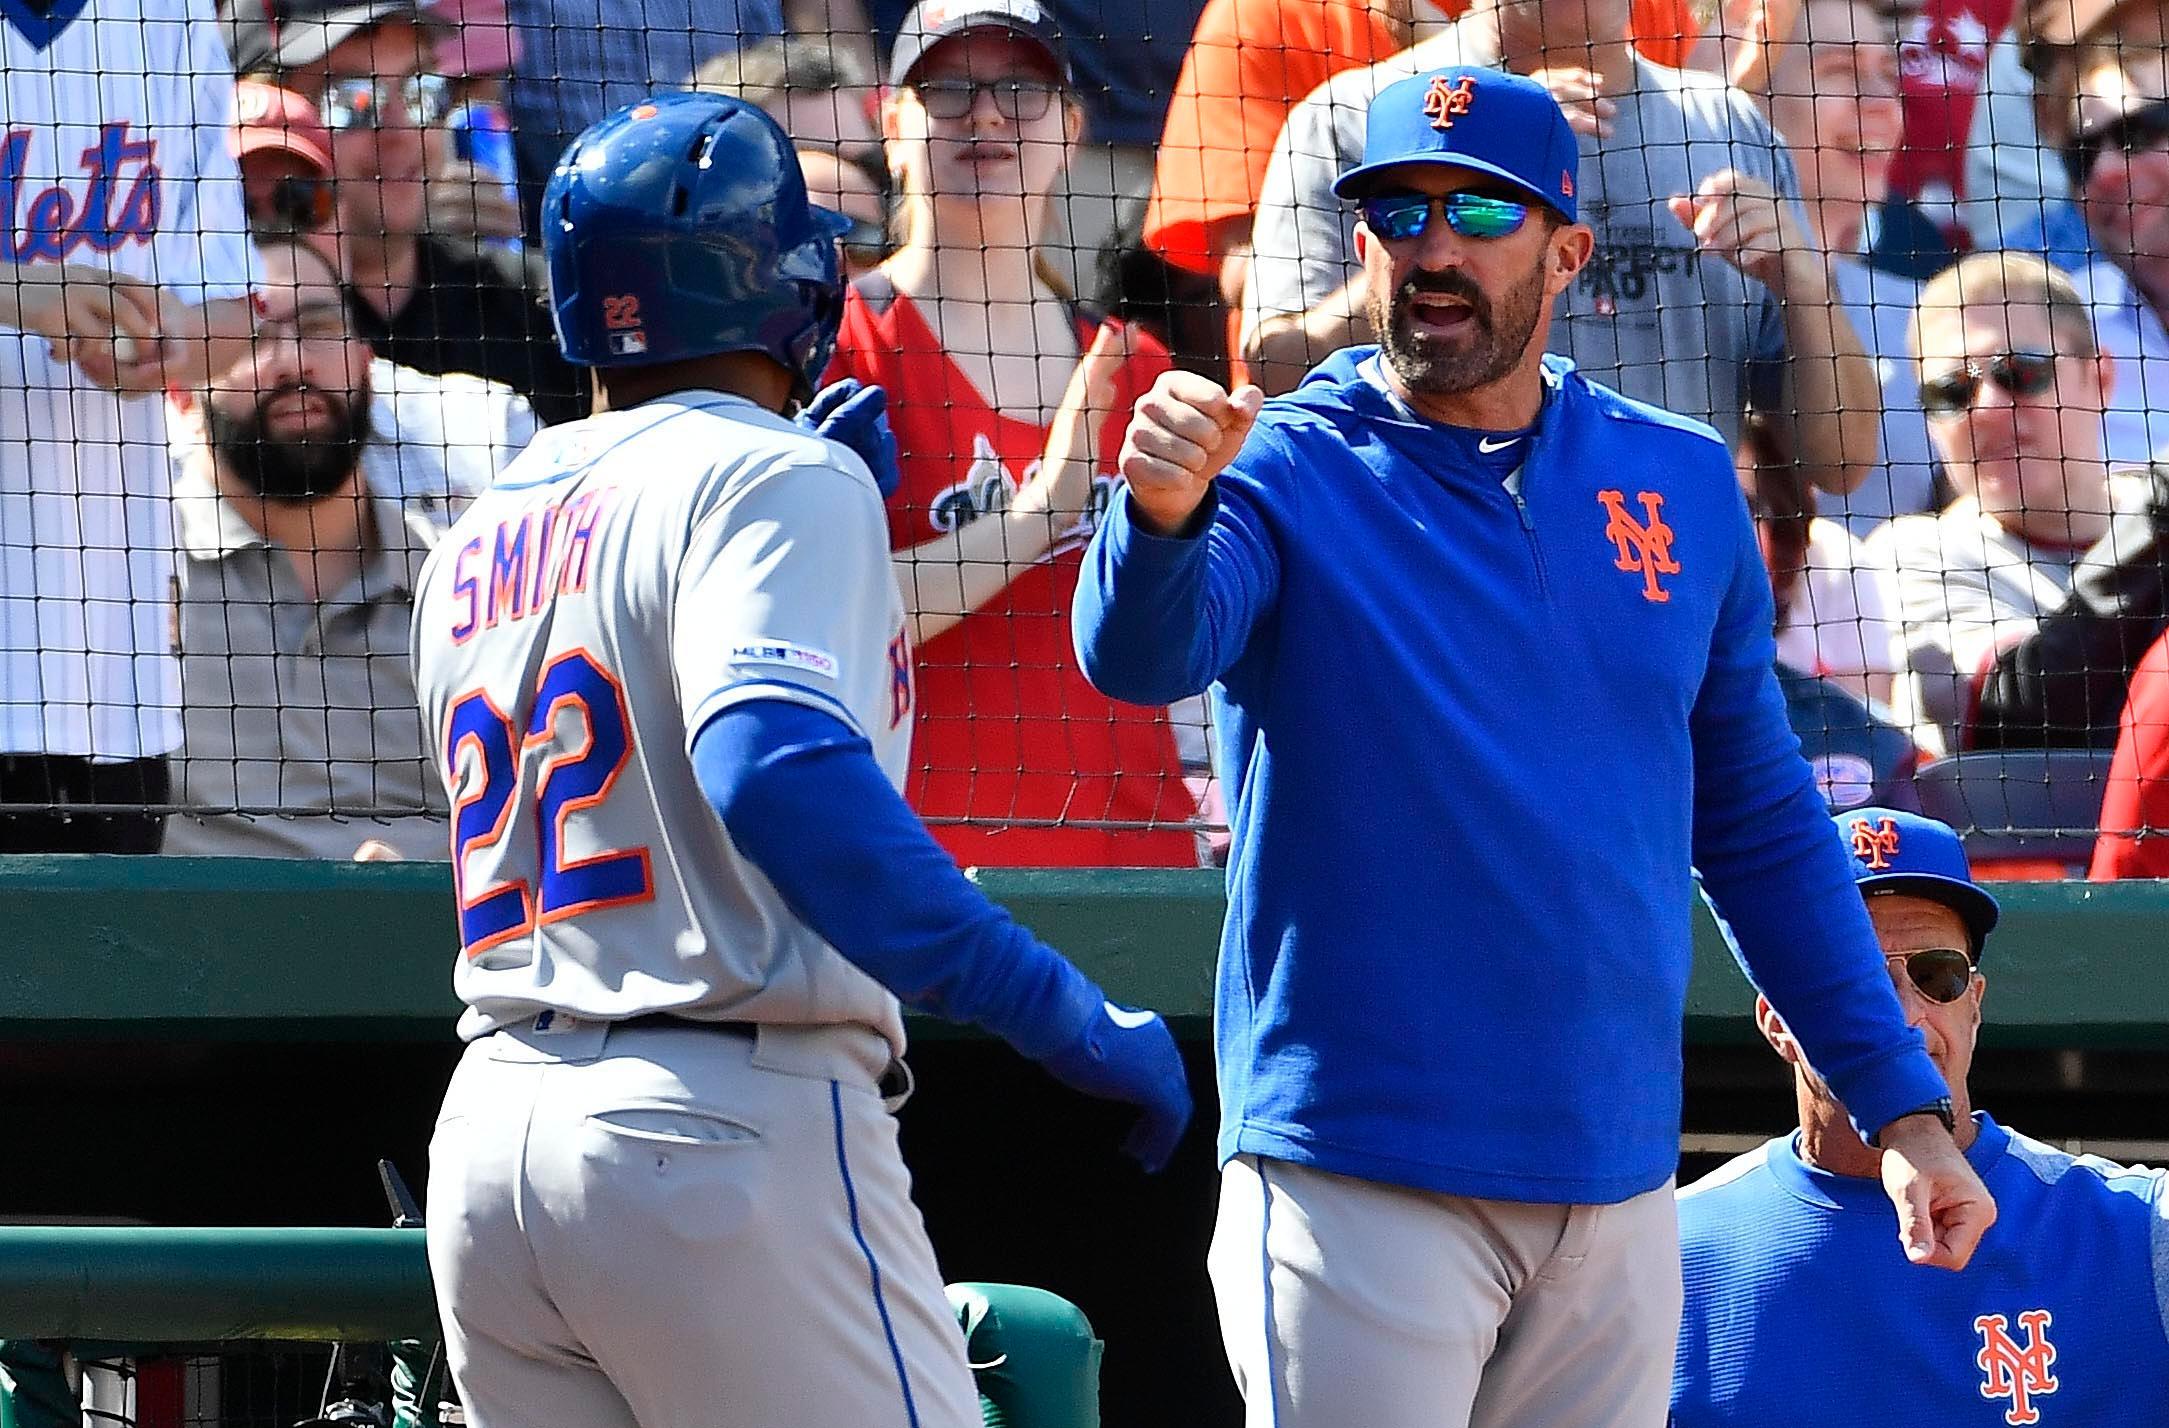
pixel 482 135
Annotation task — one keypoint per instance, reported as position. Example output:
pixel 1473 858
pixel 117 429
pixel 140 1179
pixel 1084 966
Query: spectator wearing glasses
pixel 444 432
pixel 1704 296
pixel 1006 397
pixel 1801 1309
pixel 301 534
pixel 2028 600
pixel 2119 162
pixel 418 301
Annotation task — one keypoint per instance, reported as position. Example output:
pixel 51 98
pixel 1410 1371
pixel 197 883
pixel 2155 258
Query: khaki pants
pixel 1345 1302
pixel 686 1228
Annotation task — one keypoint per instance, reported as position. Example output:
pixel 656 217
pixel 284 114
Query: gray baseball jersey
pixel 1650 316
pixel 628 578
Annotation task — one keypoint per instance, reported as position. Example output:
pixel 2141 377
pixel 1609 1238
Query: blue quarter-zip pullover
pixel 1476 735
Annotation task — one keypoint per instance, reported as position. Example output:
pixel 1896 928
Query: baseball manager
pixel 1490 653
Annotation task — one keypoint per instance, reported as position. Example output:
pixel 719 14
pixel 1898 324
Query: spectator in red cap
pixel 430 435
pixel 1006 395
pixel 284 153
pixel 417 300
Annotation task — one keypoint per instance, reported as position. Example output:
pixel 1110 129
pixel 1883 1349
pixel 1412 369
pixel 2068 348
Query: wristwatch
pixel 1941 1108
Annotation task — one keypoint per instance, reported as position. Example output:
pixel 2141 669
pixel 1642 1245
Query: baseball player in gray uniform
pixel 668 664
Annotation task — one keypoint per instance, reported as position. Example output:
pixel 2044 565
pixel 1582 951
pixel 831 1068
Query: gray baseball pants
pixel 1346 1302
pixel 641 1227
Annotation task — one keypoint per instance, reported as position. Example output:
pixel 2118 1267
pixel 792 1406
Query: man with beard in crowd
pixel 298 554
pixel 1491 660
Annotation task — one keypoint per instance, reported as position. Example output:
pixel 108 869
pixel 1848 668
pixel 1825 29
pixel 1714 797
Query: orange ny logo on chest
pixel 1643 545
pixel 1445 101
pixel 2015 1372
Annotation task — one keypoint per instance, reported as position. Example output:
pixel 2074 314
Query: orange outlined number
pixel 621 310
pixel 480 738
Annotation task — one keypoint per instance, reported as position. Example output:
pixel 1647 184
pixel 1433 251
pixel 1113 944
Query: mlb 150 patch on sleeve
pixel 786 654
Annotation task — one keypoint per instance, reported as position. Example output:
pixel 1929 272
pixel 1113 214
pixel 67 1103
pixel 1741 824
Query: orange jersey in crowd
pixel 2138 793
pixel 1250 62
pixel 1008 728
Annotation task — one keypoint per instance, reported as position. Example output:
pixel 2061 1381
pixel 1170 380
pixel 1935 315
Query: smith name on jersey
pixel 628 578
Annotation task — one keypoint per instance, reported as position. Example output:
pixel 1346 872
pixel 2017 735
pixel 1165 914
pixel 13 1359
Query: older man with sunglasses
pixel 2028 600
pixel 1800 1312
pixel 1491 656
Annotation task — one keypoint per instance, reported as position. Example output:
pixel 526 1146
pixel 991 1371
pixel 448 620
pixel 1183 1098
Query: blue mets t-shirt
pixel 1802 1309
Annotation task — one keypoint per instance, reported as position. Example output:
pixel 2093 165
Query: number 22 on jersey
pixel 486 763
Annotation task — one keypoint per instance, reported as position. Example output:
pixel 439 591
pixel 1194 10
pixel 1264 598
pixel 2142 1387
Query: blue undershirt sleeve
pixel 1774 868
pixel 1158 618
pixel 802 797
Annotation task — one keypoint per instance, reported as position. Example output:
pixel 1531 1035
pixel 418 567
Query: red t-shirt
pixel 1008 729
pixel 2138 793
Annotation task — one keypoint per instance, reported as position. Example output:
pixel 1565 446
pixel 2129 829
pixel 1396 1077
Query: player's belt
pixel 744 1029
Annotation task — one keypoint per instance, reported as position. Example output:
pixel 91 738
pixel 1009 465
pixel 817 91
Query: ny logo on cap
pixel 1445 101
pixel 1875 844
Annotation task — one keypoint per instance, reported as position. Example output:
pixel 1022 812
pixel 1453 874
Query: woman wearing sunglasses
pixel 1006 396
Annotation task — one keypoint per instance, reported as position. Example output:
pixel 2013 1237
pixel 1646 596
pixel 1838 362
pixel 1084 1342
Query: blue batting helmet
pixel 679 227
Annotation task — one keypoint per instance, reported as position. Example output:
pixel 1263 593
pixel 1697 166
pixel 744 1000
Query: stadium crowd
pixel 1911 259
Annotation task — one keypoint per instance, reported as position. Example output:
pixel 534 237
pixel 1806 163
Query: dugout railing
pixel 244 1305
pixel 205 950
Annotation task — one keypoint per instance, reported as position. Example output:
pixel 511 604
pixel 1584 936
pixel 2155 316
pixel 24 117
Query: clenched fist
pixel 1182 434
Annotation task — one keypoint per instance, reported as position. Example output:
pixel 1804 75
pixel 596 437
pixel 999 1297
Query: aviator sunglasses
pixel 1941 974
pixel 2022 374
pixel 362 102
pixel 1402 216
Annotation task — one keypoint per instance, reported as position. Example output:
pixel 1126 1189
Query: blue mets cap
pixel 1485 120
pixel 1896 852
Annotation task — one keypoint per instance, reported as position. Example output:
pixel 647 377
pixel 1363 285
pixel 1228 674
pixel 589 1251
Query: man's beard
pixel 1492 344
pixel 304 469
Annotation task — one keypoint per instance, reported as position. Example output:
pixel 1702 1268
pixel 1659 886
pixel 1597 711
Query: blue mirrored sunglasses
pixel 1401 216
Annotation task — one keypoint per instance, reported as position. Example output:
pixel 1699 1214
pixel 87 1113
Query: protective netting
pixel 259 1383
pixel 1909 263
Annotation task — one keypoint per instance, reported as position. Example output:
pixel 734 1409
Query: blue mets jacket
pixel 1802 1309
pixel 1477 736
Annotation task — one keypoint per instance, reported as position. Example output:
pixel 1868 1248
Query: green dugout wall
pixel 228 1043
pixel 244 950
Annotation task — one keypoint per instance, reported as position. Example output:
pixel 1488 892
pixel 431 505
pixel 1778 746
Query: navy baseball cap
pixel 932 21
pixel 1467 117
pixel 1896 852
